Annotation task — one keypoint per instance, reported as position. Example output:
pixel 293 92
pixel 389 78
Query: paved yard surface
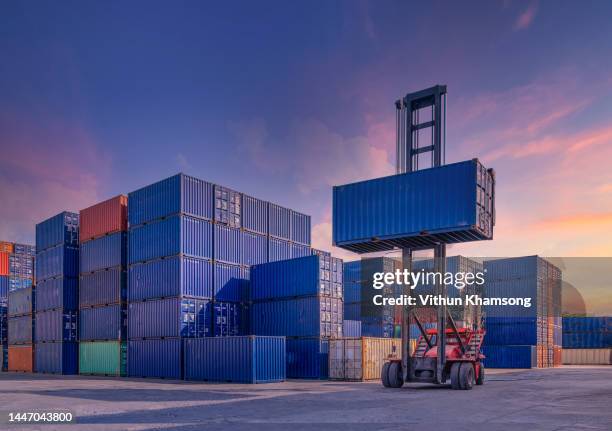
pixel 568 398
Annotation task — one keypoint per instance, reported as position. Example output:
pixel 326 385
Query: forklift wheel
pixel 384 375
pixel 466 376
pixel 454 375
pixel 396 379
pixel 481 376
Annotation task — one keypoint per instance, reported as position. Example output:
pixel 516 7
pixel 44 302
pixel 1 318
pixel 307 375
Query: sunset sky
pixel 283 100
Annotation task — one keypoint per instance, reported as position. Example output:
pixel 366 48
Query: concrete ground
pixel 568 398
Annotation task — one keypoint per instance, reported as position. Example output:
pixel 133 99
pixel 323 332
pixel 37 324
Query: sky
pixel 283 100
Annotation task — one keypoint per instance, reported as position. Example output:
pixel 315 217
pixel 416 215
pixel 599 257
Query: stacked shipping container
pixel 5 249
pixel 301 299
pixel 515 327
pixel 103 288
pixel 57 271
pixel 587 340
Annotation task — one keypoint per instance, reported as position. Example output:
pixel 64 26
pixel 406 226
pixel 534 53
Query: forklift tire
pixel 466 376
pixel 454 375
pixel 481 376
pixel 384 375
pixel 396 379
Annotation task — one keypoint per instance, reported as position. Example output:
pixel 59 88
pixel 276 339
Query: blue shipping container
pixel 510 356
pixel 180 194
pixel 352 310
pixel 60 261
pixel 511 331
pixel 60 229
pixel 587 324
pixel 57 293
pixel 236 359
pixel 172 317
pixel 230 319
pixel 176 276
pixel 106 252
pixel 278 249
pixel 254 248
pixel 103 287
pixel 228 206
pixel 4 286
pixel 228 244
pixel 307 358
pixel 16 283
pixel 455 204
pixel 20 330
pixel 351 292
pixel 279 221
pixel 103 323
pixel 231 283
pixel 298 250
pixel 300 228
pixel 351 328
pixel 21 265
pixel 377 329
pixel 20 302
pixel 56 358
pixel 174 235
pixel 254 215
pixel 587 340
pixel 56 326
pixel 155 358
pixel 26 249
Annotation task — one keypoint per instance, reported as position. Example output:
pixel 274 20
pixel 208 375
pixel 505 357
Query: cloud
pixel 526 18
pixel 182 162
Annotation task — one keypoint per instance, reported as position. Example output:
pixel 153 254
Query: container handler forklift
pixel 461 361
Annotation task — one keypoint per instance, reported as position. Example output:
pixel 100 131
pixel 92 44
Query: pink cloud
pixel 526 18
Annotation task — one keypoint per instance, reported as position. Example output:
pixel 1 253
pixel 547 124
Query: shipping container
pixel 231 283
pixel 57 293
pixel 20 302
pixel 104 358
pixel 351 292
pixel 21 358
pixel 587 340
pixel 300 317
pixel 587 324
pixel 172 317
pixel 255 215
pixel 454 205
pixel 228 244
pixel 56 326
pixel 175 276
pixel 57 358
pixel 4 286
pixel 180 194
pixel 299 250
pixel 304 276
pixel 103 323
pixel 254 248
pixel 20 330
pixel 510 356
pixel 352 310
pixel 279 222
pixel 307 358
pixel 352 272
pixel 21 265
pixel 360 359
pixel 587 356
pixel 188 236
pixel 249 359
pixel 6 247
pixel 3 357
pixel 103 287
pixel 16 283
pixel 160 358
pixel 228 206
pixel 300 228
pixel 106 252
pixel 59 261
pixel 351 328
pixel 377 329
pixel 511 331
pixel 26 249
pixel 230 319
pixel 106 217
pixel 278 249
pixel 61 229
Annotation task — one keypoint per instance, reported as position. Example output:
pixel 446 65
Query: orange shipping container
pixel 4 263
pixel 21 358
pixel 106 217
pixel 6 247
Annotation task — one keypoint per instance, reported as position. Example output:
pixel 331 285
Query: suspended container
pixel 361 359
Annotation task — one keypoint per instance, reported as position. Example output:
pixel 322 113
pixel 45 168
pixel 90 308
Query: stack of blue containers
pixel 352 290
pixel 3 333
pixel 587 332
pixel 300 299
pixel 57 302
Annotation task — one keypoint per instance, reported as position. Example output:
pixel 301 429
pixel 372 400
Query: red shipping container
pixel 104 218
pixel 21 358
pixel 4 263
pixel 6 247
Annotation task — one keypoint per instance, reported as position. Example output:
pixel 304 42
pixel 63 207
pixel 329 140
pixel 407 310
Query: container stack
pixel 517 336
pixel 5 249
pixel 103 288
pixel 300 299
pixel 57 301
pixel 361 359
pixel 289 233
pixel 587 340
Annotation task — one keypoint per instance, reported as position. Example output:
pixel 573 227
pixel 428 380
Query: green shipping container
pixel 106 358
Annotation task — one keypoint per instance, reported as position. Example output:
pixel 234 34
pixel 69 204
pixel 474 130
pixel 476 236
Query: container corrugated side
pixel 176 276
pixel 352 271
pixel 103 218
pixel 103 287
pixel 278 249
pixel 352 310
pixel 299 250
pixel 174 235
pixel 177 194
pixel 21 265
pixel 307 358
pixel 510 356
pixel 20 329
pixel 586 324
pixel 57 358
pixel 155 358
pixel 254 215
pixel 172 317
pixel 230 319
pixel 4 286
pixel 56 326
pixel 254 248
pixel 103 323
pixel 512 268
pixel 21 358
pixel 360 359
pixel 452 207
pixel 6 247
pixel 351 328
pixel 57 293
pixel 300 228
pixel 511 330
pixel 279 221
pixel 20 302
pixel 60 261
pixel 106 252
pixel 236 359
pixel 62 228
pixel 587 356
pixel 228 244
pixel 4 264
pixel 587 340
pixel 104 358
pixel 231 283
